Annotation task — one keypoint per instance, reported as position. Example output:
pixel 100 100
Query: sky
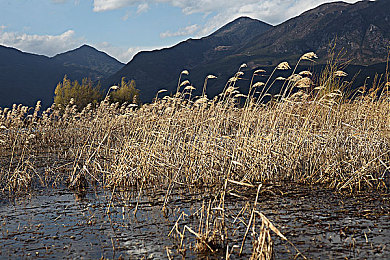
pixel 122 28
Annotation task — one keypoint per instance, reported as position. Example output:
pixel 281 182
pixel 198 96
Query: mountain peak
pixel 360 30
pixel 81 49
pixel 149 69
pixel 243 18
pixel 89 57
pixel 87 47
pixel 242 26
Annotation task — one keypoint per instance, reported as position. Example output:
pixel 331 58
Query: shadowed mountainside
pixel 153 70
pixel 26 78
pixel 361 30
pixel 97 63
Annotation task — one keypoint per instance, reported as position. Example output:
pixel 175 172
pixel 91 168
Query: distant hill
pixel 361 30
pixel 87 58
pixel 26 78
pixel 153 70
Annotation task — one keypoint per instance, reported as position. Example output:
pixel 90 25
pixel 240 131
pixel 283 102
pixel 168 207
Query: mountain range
pixel 154 70
pixel 360 31
pixel 26 78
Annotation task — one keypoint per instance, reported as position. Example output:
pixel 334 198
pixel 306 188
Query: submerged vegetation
pixel 310 133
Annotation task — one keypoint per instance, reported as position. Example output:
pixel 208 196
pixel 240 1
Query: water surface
pixel 61 224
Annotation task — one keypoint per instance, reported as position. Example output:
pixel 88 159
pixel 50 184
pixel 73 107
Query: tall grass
pixel 309 133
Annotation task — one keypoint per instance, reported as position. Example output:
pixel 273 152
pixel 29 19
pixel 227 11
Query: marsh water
pixel 57 223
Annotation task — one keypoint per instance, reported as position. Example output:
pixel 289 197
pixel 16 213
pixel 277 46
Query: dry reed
pixel 313 134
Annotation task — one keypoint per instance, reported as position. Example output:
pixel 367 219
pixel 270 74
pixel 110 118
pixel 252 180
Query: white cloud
pixel 106 5
pixel 216 13
pixel 142 8
pixel 270 11
pixel 41 44
pixel 189 30
pixel 223 11
pixel 51 45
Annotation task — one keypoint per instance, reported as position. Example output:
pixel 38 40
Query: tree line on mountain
pixel 87 92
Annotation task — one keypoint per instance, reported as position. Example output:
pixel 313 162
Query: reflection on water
pixel 55 224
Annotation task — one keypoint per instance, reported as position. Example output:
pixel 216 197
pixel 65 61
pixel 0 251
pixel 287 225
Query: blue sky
pixel 123 27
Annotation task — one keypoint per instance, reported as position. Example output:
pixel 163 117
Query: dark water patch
pixel 60 224
pixel 323 224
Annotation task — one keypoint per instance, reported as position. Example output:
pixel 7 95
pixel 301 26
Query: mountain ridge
pixel 26 77
pixel 150 68
pixel 89 57
pixel 358 30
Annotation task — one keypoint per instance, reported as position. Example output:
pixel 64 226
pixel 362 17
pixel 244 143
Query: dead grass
pixel 309 134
